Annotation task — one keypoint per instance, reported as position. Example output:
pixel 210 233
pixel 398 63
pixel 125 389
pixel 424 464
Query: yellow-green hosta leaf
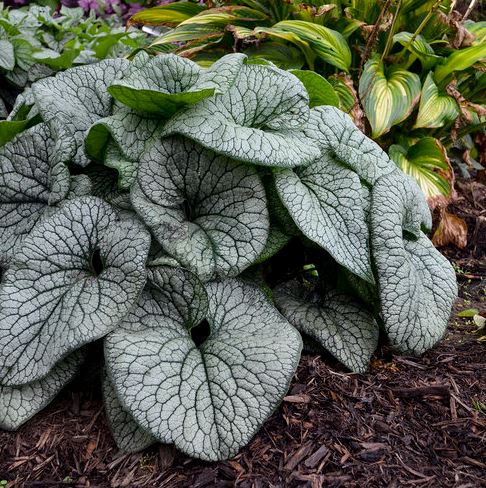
pixel 388 95
pixel 319 89
pixel 460 60
pixel 435 110
pixel 478 29
pixel 281 55
pixel 328 44
pixel 426 162
pixel 304 46
pixel 171 14
pixel 210 25
pixel 419 47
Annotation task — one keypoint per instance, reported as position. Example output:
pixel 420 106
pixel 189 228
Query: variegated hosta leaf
pixel 334 131
pixel 426 162
pixel 28 185
pixel 207 211
pixel 388 96
pixel 128 435
pixel 73 100
pixel 419 46
pixel 19 403
pixel 417 285
pixel 435 110
pixel 208 399
pixel 167 82
pixel 76 275
pixel 325 201
pixel 258 120
pixel 336 321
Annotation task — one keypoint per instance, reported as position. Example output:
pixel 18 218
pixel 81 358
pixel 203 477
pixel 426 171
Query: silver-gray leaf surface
pixel 207 211
pixel 417 285
pixel 54 298
pixel 208 399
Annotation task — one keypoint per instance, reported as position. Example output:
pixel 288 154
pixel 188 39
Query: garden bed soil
pixel 408 422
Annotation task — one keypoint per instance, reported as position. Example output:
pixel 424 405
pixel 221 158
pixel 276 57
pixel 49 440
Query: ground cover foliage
pixel 200 223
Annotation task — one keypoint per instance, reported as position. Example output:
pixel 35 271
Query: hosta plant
pixel 200 223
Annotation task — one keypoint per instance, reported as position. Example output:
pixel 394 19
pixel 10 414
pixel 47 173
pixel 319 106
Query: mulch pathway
pixel 408 422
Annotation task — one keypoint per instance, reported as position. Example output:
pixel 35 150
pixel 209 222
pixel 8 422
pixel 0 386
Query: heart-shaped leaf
pixel 416 283
pixel 28 185
pixel 388 95
pixel 419 46
pixel 76 275
pixel 258 120
pixel 336 321
pixel 435 110
pixel 325 201
pixel 206 211
pixel 208 398
pixel 7 55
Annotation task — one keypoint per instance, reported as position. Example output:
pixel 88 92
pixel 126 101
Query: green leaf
pixel 460 60
pixel 334 131
pixel 325 201
pixel 417 285
pixel 336 321
pixel 128 435
pixel 76 275
pixel 171 14
pixel 258 120
pixel 419 47
pixel 73 100
pixel 168 82
pixel 281 55
pixel 469 312
pixel 208 398
pixel 319 89
pixel 56 60
pixel 207 211
pixel 328 45
pixel 19 403
pixel 7 55
pixel 425 161
pixel 388 96
pixel 435 110
pixel 10 128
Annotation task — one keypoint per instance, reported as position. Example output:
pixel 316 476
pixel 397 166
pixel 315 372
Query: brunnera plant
pixel 201 222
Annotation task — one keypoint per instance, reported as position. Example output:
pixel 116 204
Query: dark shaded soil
pixel 408 422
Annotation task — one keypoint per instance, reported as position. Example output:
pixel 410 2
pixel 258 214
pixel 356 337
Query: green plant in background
pixel 198 221
pixel 415 68
pixel 35 42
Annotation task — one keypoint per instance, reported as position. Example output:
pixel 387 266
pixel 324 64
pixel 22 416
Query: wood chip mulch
pixel 409 422
pixel 418 422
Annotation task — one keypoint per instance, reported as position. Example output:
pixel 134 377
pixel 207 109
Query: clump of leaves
pixel 36 42
pixel 198 222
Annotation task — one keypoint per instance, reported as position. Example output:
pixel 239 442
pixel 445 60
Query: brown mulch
pixel 408 422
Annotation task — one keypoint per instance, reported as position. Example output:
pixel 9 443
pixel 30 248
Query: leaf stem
pixel 391 33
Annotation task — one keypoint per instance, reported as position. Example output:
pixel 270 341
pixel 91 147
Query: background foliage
pixel 411 73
